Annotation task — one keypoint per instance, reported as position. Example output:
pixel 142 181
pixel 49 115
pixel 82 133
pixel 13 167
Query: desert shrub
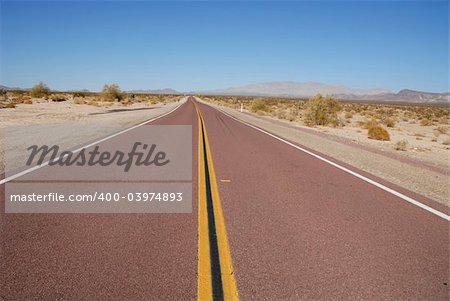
pixel 93 102
pixel 348 115
pixel 78 101
pixel 18 99
pixel 57 98
pixel 342 121
pixel 28 101
pixel 79 94
pixel 368 124
pixel 39 90
pixel 378 132
pixel 126 102
pixel 401 145
pixel 389 122
pixel 112 92
pixel 291 116
pixel 425 122
pixel 10 105
pixel 281 114
pixel 321 110
pixel 259 105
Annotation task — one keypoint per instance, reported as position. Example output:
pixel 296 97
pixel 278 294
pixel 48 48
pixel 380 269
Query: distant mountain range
pixel 160 91
pixel 308 89
pixel 10 88
pixel 404 95
pixel 296 89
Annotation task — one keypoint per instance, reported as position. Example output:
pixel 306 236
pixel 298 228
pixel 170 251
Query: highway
pixel 268 222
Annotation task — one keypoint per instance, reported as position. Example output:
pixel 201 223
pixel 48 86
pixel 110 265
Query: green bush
pixel 112 92
pixel 39 90
pixel 321 110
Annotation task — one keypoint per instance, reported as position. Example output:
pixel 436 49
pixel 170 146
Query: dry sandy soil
pixel 422 168
pixel 66 124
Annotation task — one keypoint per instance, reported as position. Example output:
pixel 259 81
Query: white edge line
pixel 24 172
pixel 370 181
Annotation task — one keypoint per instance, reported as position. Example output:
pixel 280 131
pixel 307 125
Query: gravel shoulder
pixel 420 176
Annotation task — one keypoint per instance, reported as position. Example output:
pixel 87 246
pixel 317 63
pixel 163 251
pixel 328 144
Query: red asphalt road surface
pixel 298 228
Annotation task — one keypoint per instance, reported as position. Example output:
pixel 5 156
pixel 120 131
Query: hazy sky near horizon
pixel 210 45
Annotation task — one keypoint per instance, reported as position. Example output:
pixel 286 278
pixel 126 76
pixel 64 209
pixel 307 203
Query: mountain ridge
pixel 304 89
pixel 156 91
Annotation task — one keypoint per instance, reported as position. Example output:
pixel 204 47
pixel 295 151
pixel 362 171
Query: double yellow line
pixel 216 279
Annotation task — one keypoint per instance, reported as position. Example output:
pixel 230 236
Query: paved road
pixel 296 228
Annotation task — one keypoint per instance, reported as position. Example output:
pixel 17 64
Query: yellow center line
pixel 205 291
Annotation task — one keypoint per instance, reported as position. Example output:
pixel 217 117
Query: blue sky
pixel 190 45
